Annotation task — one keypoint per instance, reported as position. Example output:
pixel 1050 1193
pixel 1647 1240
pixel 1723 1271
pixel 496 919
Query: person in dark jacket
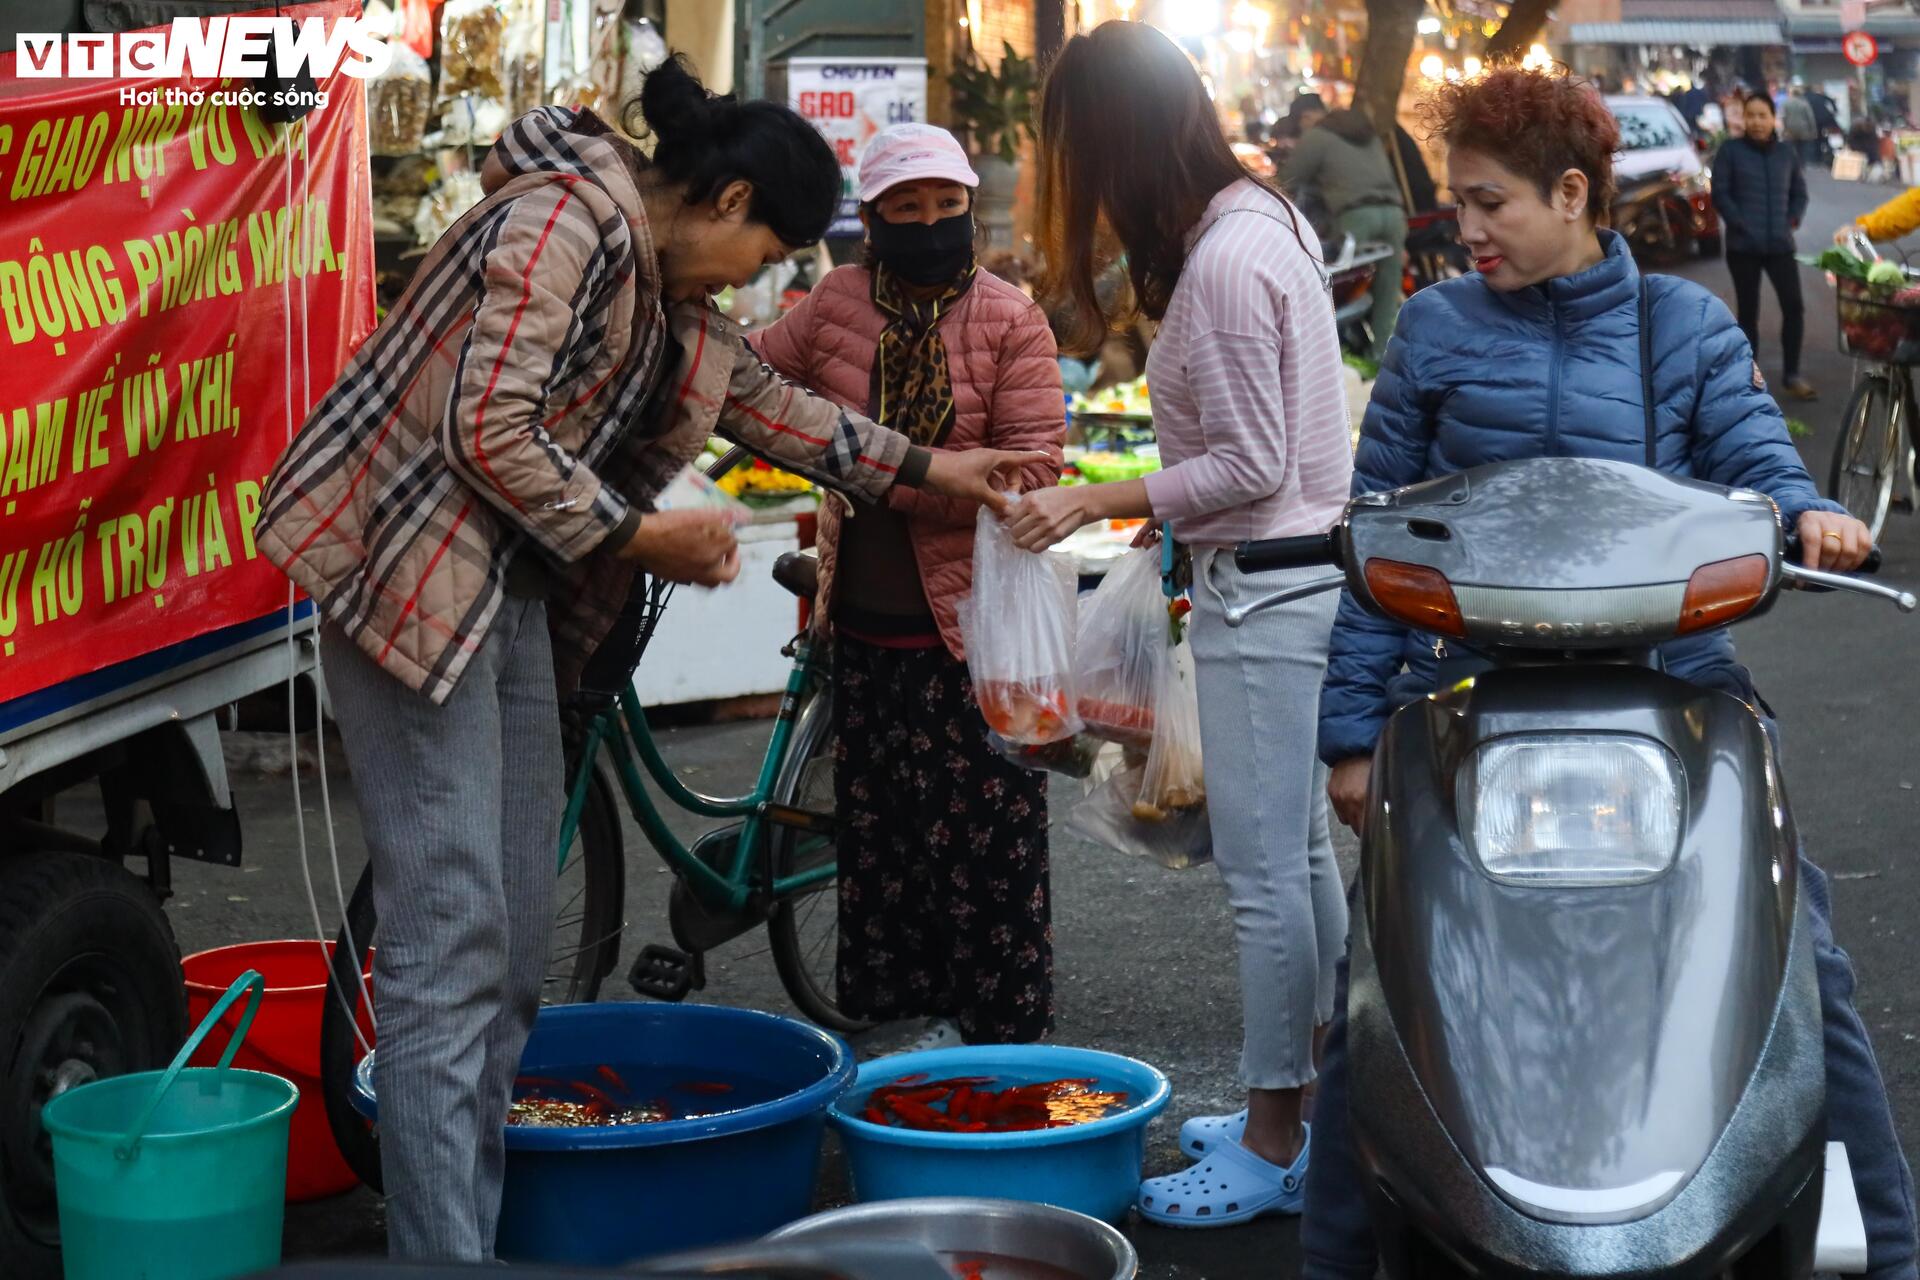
pixel 1344 161
pixel 1538 353
pixel 1761 195
pixel 1308 110
pixel 1420 188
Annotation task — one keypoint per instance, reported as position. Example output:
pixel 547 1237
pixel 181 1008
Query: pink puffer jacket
pixel 1006 391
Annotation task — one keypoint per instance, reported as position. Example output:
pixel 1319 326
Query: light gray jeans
pixel 461 805
pixel 1259 690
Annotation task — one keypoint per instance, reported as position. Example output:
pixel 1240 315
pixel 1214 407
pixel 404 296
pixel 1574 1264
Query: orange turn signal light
pixel 1718 593
pixel 1416 595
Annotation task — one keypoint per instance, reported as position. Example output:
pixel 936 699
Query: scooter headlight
pixel 1572 810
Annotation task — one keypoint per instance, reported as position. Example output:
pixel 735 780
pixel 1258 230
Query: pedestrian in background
pixel 944 909
pixel 1249 403
pixel 1801 125
pixel 1308 110
pixel 1344 162
pixel 1760 192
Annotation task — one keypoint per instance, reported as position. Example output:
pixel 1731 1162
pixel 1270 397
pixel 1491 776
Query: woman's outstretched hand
pixel 979 475
pixel 1045 516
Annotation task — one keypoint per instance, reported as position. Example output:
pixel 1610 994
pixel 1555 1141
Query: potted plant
pixel 995 109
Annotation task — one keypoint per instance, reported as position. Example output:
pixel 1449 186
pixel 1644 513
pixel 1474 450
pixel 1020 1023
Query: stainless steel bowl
pixel 1017 1240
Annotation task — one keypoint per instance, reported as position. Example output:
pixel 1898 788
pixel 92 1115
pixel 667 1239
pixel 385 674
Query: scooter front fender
pixel 1611 1080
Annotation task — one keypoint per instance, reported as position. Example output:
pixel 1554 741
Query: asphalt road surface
pixel 1145 959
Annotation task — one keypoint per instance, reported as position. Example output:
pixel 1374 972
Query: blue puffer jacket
pixel 1474 376
pixel 1761 195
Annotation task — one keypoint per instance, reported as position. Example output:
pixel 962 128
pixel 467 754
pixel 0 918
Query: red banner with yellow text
pixel 179 282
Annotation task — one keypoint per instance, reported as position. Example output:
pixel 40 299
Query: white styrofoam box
pixel 725 643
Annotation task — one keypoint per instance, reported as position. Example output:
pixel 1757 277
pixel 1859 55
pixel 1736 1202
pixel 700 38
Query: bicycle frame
pixel 623 730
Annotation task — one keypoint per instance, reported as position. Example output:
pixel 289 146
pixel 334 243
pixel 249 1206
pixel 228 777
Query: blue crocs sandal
pixel 1230 1187
pixel 1202 1133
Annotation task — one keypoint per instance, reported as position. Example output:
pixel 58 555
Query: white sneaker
pixel 940 1033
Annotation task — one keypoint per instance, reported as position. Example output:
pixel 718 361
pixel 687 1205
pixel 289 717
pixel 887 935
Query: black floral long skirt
pixel 943 853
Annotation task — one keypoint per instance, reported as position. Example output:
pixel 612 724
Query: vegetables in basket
pixel 1843 263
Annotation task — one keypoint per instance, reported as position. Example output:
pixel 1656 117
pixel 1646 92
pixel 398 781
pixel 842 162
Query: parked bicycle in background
pixel 1878 305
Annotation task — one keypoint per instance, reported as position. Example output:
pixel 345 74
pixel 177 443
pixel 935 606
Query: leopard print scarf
pixel 912 389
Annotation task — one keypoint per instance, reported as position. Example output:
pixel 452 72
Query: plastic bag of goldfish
pixel 1051 673
pixel 1018 626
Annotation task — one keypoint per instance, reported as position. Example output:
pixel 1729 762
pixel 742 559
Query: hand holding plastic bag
pixel 1018 628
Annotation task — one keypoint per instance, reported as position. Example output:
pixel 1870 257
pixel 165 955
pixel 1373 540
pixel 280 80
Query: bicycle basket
pixel 1876 329
pixel 611 667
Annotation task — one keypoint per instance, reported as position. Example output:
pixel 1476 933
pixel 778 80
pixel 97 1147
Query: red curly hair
pixel 1537 123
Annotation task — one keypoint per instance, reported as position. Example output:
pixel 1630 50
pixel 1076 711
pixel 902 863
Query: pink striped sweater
pixel 1248 395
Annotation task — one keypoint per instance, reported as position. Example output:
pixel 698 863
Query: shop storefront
pixel 1661 55
pixel 1888 88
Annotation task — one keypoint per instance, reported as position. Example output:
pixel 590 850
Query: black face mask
pixel 921 252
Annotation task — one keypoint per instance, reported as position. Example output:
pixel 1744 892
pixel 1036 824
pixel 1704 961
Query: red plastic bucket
pixel 285 1041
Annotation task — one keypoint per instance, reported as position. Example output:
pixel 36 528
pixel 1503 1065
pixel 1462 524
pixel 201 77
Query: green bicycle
pixel 772 863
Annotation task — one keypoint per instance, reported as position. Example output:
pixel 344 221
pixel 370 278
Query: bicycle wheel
pixel 589 914
pixel 1861 476
pixel 804 928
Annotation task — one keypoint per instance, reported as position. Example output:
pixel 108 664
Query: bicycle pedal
pixel 664 973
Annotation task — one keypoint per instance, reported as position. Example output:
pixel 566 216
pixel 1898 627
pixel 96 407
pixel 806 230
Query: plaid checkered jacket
pixel 499 403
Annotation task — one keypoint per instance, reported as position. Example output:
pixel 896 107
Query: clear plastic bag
pixel 1171 782
pixel 642 49
pixel 1106 816
pixel 472 50
pixel 470 121
pixel 1072 757
pixel 1124 642
pixel 526 59
pixel 451 197
pixel 1018 627
pixel 399 104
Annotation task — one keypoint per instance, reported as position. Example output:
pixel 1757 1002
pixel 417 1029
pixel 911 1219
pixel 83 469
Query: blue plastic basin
pixel 1091 1168
pixel 607 1195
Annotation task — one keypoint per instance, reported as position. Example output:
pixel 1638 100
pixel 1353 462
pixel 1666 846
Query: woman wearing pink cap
pixel 944 911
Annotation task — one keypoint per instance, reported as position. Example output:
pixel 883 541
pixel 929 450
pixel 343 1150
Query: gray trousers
pixel 461 805
pixel 1259 693
pixel 1387 224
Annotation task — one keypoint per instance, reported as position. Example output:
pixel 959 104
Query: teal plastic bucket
pixel 178 1174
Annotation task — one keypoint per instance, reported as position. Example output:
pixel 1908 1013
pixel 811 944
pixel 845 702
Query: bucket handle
pixel 250 981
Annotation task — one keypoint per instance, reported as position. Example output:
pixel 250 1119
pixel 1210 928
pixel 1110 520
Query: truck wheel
pixel 89 988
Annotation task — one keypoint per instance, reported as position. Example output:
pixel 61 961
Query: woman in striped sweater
pixel 1253 428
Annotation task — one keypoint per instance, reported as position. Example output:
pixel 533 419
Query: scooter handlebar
pixel 1287 553
pixel 1790 553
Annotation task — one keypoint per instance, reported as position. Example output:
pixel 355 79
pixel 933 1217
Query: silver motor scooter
pixel 1583 1025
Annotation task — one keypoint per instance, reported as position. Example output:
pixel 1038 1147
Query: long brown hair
pixel 1130 151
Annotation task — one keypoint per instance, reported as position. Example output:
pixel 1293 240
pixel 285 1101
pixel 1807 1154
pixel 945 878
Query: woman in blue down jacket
pixel 1537 354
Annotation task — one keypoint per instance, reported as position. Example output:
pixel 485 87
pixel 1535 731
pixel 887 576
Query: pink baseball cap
pixel 907 152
